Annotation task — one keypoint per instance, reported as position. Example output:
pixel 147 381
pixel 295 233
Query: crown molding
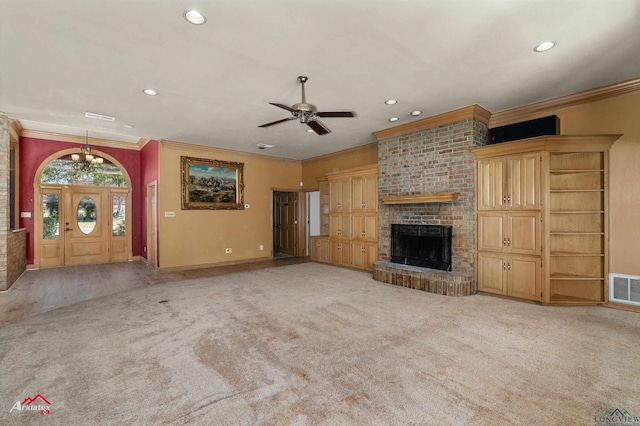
pixel 475 112
pixel 555 143
pixel 15 129
pixel 348 151
pixel 142 142
pixel 183 146
pixel 37 134
pixel 548 107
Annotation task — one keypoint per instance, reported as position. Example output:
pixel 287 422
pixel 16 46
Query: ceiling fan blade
pixel 288 108
pixel 335 114
pixel 276 122
pixel 317 127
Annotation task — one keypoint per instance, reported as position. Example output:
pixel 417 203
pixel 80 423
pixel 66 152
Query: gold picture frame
pixel 212 184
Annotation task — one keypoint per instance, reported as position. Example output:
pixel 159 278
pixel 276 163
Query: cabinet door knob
pixel 509 241
pixel 508 266
pixel 504 266
pixel 504 198
pixel 504 241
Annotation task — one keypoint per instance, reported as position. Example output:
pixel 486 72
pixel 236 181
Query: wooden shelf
pixel 576 211
pixel 437 197
pixel 571 254
pixel 564 172
pixel 576 190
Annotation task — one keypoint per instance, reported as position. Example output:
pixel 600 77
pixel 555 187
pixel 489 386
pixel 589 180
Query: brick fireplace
pixel 431 157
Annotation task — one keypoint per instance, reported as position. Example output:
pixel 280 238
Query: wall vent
pixel 624 289
pixel 98 116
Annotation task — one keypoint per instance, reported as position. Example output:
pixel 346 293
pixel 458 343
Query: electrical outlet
pixel 227 250
pixel 261 247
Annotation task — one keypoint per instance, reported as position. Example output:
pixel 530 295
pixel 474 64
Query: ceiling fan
pixel 308 113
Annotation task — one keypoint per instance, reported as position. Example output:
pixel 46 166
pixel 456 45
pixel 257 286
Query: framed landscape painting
pixel 212 184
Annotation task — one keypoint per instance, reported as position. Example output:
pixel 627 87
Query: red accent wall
pixel 149 156
pixel 34 151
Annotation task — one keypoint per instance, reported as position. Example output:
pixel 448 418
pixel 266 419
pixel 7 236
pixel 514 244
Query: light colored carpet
pixel 312 344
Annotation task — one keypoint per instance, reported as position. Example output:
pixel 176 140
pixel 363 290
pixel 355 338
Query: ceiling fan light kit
pixel 307 113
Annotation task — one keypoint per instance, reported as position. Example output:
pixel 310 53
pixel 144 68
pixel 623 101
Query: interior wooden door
pixel 86 225
pixel 285 223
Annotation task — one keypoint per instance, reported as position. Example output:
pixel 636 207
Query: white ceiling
pixel 61 58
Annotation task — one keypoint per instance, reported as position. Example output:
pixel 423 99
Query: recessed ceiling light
pixel 391 102
pixel 392 119
pixel 149 92
pixel 127 126
pixel 416 113
pixel 195 17
pixel 264 146
pixel 543 47
pixel 309 130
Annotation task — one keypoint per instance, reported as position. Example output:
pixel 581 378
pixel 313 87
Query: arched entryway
pixel 80 216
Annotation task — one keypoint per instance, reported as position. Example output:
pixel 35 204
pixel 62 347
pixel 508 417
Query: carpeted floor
pixel 312 344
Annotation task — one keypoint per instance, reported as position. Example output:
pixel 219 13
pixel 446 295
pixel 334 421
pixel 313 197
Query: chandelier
pixel 85 161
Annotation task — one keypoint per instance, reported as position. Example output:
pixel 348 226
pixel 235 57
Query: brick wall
pixel 429 161
pixel 4 199
pixel 16 255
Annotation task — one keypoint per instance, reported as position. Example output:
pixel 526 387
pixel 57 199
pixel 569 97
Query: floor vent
pixel 624 289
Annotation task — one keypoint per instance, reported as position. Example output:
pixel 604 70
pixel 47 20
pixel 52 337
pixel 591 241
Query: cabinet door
pixel 370 193
pixel 335 225
pixel 523 233
pixel 491 177
pixel 524 277
pixel 365 226
pixel 491 232
pixel 523 183
pixel 370 255
pixel 340 195
pixel 358 254
pixel 325 254
pixel 364 191
pixel 492 273
pixel 340 253
pixel 314 249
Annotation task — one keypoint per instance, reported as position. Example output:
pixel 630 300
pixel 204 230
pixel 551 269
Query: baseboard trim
pixel 212 265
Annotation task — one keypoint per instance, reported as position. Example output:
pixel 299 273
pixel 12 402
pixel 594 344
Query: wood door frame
pixel 300 228
pixel 152 222
pixel 37 204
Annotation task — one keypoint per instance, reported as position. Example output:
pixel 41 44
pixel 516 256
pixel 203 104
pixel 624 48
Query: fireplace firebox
pixel 428 246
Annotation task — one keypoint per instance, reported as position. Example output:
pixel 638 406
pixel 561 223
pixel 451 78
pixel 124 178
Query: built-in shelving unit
pixel 577 245
pixel 323 186
pixel 571 223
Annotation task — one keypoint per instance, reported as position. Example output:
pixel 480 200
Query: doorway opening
pixel 284 223
pixel 81 216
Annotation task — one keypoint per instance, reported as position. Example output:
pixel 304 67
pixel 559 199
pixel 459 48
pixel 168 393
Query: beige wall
pixel 199 237
pixel 316 167
pixel 620 115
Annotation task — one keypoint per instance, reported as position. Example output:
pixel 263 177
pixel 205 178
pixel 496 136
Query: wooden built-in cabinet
pixel 542 218
pixel 353 219
pixel 319 249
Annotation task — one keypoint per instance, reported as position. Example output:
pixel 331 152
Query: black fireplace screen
pixel 428 246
